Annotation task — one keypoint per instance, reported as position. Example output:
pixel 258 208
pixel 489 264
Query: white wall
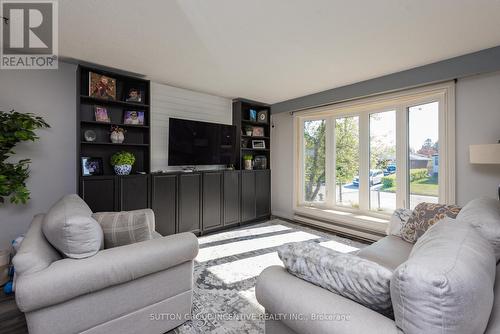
pixel 477 122
pixel 175 102
pixel 52 95
pixel 282 165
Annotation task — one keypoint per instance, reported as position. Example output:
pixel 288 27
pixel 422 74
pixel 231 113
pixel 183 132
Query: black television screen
pixel 200 143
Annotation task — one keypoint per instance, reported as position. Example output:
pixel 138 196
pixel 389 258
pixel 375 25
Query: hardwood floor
pixel 11 319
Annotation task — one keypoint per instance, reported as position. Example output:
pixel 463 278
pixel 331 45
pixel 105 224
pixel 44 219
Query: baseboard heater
pixel 338 227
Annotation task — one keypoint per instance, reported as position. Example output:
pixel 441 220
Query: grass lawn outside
pixel 427 186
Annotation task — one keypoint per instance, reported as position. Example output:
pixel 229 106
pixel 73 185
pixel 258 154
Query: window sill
pixel 371 223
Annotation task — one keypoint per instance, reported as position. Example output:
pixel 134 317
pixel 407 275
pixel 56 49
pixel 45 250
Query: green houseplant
pixel 247 158
pixel 122 162
pixel 16 127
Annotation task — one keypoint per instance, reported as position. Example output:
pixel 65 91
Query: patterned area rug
pixel 226 271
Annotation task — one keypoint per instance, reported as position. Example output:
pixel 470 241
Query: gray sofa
pixel 129 289
pixel 290 301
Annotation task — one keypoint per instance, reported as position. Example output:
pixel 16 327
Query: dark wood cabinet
pixel 231 195
pixel 99 192
pixel 189 205
pixel 212 200
pixel 133 192
pixel 263 193
pixel 185 202
pixel 164 203
pixel 248 196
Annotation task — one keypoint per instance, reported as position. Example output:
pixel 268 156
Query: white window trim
pixel 444 93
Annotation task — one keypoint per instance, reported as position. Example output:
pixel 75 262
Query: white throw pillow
pixel 446 286
pixel 70 228
pixel 484 215
pixel 397 221
pixel 348 275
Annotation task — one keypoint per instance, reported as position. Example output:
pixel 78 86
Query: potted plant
pixel 16 127
pixel 247 158
pixel 248 130
pixel 117 134
pixel 122 162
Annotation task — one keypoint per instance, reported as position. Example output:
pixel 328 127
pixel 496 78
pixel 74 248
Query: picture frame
pixel 91 166
pixel 133 117
pixel 262 116
pixel 259 144
pixel 102 87
pixel 252 115
pixel 135 95
pixel 101 114
pixel 258 131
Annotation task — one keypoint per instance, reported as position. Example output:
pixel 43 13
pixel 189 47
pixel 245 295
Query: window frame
pixel 400 101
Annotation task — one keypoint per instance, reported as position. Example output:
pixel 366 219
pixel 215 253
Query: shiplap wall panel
pixel 168 101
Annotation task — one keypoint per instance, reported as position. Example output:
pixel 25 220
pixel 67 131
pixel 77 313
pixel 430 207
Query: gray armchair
pixel 139 288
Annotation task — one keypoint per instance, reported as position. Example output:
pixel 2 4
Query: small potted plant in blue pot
pixel 122 162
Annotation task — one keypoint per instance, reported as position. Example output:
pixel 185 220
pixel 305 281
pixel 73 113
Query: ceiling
pixel 272 50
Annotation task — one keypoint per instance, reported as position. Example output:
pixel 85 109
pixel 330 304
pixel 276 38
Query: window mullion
pixel 402 196
pixel 364 161
pixel 330 162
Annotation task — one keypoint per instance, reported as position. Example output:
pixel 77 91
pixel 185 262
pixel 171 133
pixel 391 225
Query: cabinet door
pixel 164 203
pixel 189 203
pixel 212 200
pixel 134 192
pixel 99 193
pixel 231 198
pixel 247 196
pixel 263 192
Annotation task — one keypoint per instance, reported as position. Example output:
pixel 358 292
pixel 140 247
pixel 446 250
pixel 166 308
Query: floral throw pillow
pixel 424 216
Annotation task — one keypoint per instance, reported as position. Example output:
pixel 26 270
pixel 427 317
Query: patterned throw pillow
pixel 126 227
pixel 347 275
pixel 424 216
pixel 398 220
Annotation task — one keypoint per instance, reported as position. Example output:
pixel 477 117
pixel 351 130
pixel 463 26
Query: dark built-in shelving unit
pixel 198 202
pixel 137 137
pixel 241 119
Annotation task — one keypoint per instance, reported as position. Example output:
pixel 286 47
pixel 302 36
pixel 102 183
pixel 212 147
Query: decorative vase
pixel 249 132
pixel 248 164
pixel 117 137
pixel 123 169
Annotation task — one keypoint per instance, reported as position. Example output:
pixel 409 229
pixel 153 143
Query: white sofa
pixel 285 296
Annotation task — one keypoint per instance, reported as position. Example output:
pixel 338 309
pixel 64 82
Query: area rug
pixel 226 271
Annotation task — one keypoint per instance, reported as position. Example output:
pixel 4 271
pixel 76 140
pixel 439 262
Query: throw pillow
pixel 126 227
pixel 424 216
pixel 348 275
pixel 484 215
pixel 70 228
pixel 398 219
pixel 446 286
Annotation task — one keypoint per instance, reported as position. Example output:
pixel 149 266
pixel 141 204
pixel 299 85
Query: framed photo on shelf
pixel 135 95
pixel 133 117
pixel 101 86
pixel 101 114
pixel 252 115
pixel 258 144
pixel 258 131
pixel 91 166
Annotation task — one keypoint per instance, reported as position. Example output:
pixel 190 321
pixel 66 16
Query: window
pixel 423 152
pixel 383 165
pixel 371 156
pixel 314 161
pixel 347 161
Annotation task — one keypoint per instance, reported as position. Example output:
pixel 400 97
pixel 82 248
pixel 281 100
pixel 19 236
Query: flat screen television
pixel 200 143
